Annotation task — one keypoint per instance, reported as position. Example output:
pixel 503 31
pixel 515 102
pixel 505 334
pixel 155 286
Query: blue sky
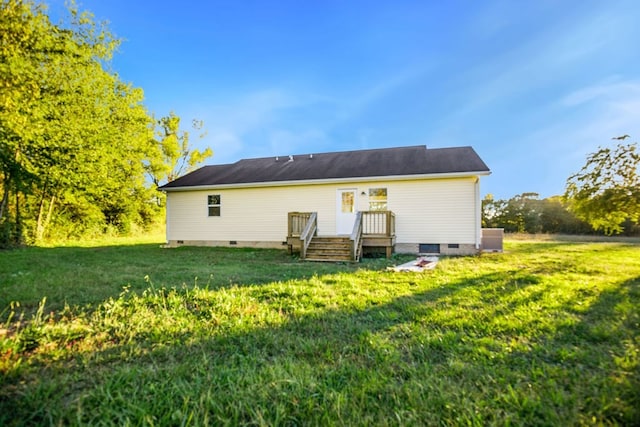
pixel 533 86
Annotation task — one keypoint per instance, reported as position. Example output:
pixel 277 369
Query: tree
pixel 606 191
pixel 175 154
pixel 74 138
pixel 556 218
pixel 526 213
pixel 520 213
pixel 490 211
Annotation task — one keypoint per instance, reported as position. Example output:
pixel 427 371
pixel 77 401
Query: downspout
pixel 478 214
pixel 166 216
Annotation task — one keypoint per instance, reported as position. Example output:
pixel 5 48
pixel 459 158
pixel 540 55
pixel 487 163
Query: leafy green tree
pixel 555 218
pixel 526 213
pixel 519 214
pixel 492 211
pixel 74 139
pixel 606 191
pixel 176 156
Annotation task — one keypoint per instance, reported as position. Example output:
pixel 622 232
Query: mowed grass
pixel 547 333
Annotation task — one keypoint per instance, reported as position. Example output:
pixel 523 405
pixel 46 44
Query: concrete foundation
pixel 227 244
pixel 445 249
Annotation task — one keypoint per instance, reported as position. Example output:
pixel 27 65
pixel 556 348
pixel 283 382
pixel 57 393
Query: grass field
pixel 547 333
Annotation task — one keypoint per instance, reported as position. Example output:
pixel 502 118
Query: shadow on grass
pixel 365 364
pixel 595 348
pixel 448 354
pixel 78 276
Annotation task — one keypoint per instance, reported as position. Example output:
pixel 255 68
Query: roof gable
pixel 399 161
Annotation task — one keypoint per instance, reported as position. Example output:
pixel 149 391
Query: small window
pixel 377 199
pixel 213 203
pixel 453 246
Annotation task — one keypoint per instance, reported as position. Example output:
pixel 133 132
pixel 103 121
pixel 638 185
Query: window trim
pixel 214 205
pixel 383 204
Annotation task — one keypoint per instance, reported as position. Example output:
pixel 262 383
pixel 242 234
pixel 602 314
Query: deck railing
pixel 370 229
pixel 303 225
pixel 297 222
pixel 356 238
pixel 379 223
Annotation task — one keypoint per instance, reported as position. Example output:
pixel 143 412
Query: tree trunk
pixel 47 219
pixel 5 201
pixel 18 237
pixel 39 220
pixel 5 225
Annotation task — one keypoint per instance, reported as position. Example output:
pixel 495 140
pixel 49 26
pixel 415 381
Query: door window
pixel 347 202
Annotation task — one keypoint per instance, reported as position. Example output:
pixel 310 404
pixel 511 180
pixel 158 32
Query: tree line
pixel 527 213
pixel 602 198
pixel 79 152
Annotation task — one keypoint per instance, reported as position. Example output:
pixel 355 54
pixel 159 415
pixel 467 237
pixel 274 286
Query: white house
pixel 407 199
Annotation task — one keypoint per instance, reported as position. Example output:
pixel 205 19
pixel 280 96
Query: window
pixel 348 202
pixel 377 199
pixel 213 203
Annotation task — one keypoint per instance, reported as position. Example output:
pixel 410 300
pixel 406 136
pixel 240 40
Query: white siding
pixel 434 211
pixel 250 214
pixel 427 211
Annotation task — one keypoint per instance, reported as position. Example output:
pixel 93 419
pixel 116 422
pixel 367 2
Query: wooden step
pixel 338 254
pixel 329 257
pixel 329 249
pixel 331 240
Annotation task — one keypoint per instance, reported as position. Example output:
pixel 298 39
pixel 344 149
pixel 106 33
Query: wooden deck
pixel 372 230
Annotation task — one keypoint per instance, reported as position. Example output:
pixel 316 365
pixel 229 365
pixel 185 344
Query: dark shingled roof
pixel 416 160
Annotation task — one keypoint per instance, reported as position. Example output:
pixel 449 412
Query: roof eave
pixel 331 181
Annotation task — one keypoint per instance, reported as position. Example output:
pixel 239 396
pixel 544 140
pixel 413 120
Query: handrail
pixel 356 237
pixel 310 230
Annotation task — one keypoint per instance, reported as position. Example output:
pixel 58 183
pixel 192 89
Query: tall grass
pixel 544 334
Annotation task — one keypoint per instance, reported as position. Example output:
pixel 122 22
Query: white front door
pixel 345 211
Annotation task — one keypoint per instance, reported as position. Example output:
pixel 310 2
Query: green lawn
pixel 547 333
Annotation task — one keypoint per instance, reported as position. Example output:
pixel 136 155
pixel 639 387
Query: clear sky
pixel 533 86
